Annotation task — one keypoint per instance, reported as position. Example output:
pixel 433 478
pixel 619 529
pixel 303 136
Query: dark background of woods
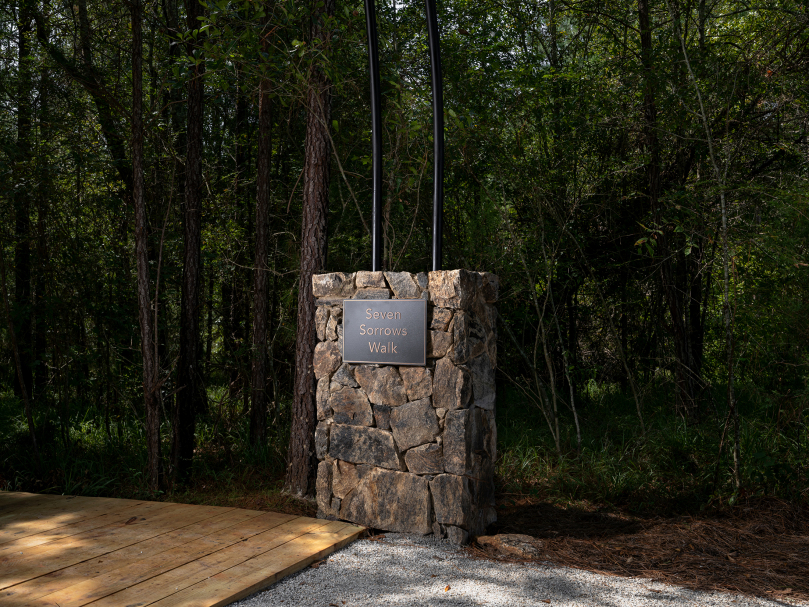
pixel 588 165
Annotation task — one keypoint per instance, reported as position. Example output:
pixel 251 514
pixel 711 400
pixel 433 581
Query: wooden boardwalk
pixel 69 551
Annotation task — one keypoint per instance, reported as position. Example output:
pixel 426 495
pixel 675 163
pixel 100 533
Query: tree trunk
pixel 150 393
pixel 687 399
pixel 189 401
pixel 23 310
pixel 258 412
pixel 301 468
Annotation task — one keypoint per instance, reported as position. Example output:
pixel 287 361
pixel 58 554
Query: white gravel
pixel 404 570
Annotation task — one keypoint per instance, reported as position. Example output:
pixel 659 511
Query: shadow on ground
pixel 760 547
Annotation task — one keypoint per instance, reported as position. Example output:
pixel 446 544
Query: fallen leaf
pixel 447 588
pixel 546 600
pixel 317 564
pixel 433 575
pixel 333 605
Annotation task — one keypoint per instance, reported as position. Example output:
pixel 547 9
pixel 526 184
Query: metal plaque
pixel 385 331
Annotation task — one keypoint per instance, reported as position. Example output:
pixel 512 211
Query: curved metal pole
pixel 438 133
pixel 376 136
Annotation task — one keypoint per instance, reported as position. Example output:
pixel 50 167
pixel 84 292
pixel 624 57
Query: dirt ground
pixel 759 548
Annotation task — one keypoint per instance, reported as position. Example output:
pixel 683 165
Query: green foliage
pixel 673 469
pixel 547 185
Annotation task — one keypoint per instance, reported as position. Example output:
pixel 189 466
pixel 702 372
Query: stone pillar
pixel 410 449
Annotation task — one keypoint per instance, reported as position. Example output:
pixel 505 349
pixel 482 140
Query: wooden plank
pixel 25 519
pixel 105 516
pixel 258 573
pixel 75 574
pixel 113 580
pixel 91 544
pixel 191 573
pixel 139 512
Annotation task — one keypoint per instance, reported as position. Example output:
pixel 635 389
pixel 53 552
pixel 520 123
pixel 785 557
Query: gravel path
pixel 404 571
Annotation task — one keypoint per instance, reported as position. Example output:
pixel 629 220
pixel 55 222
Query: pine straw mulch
pixel 760 547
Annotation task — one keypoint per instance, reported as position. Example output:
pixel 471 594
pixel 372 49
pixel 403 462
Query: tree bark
pixel 189 400
pixel 685 379
pixel 258 412
pixel 150 392
pixel 23 309
pixel 301 464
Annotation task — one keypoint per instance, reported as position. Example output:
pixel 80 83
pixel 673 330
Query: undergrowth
pixel 673 469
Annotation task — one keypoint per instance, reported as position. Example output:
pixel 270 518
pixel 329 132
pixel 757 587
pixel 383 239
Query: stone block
pixel 323 488
pixel 331 328
pixel 453 288
pixel 514 545
pixel 425 459
pixel 418 382
pixel 414 424
pixel 459 329
pixel 438 530
pixel 372 293
pixel 321 318
pixel 422 280
pixel 457 442
pixel 477 336
pixel 483 382
pixel 452 386
pixel 383 385
pixel 361 445
pixel 345 477
pixel 345 377
pixel 440 318
pixel 322 398
pixel 394 501
pixel 403 285
pixel 458 536
pixel 382 416
pixel 452 500
pixel 370 279
pixel 322 440
pixel 351 406
pixel 490 289
pixel 438 344
pixel 335 284
pixel 327 359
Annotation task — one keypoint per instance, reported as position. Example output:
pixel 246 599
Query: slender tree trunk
pixel 301 468
pixel 189 401
pixel 684 376
pixel 23 309
pixel 258 412
pixel 150 392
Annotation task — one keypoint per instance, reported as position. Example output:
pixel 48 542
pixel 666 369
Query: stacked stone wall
pixel 401 448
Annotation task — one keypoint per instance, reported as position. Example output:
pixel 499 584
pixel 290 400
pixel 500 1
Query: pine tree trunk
pixel 23 310
pixel 150 393
pixel 258 412
pixel 301 464
pixel 687 399
pixel 189 401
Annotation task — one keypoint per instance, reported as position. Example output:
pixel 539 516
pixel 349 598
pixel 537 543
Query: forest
pixel 635 172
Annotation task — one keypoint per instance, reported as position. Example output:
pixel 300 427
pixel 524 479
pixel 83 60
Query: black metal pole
pixel 438 133
pixel 376 136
